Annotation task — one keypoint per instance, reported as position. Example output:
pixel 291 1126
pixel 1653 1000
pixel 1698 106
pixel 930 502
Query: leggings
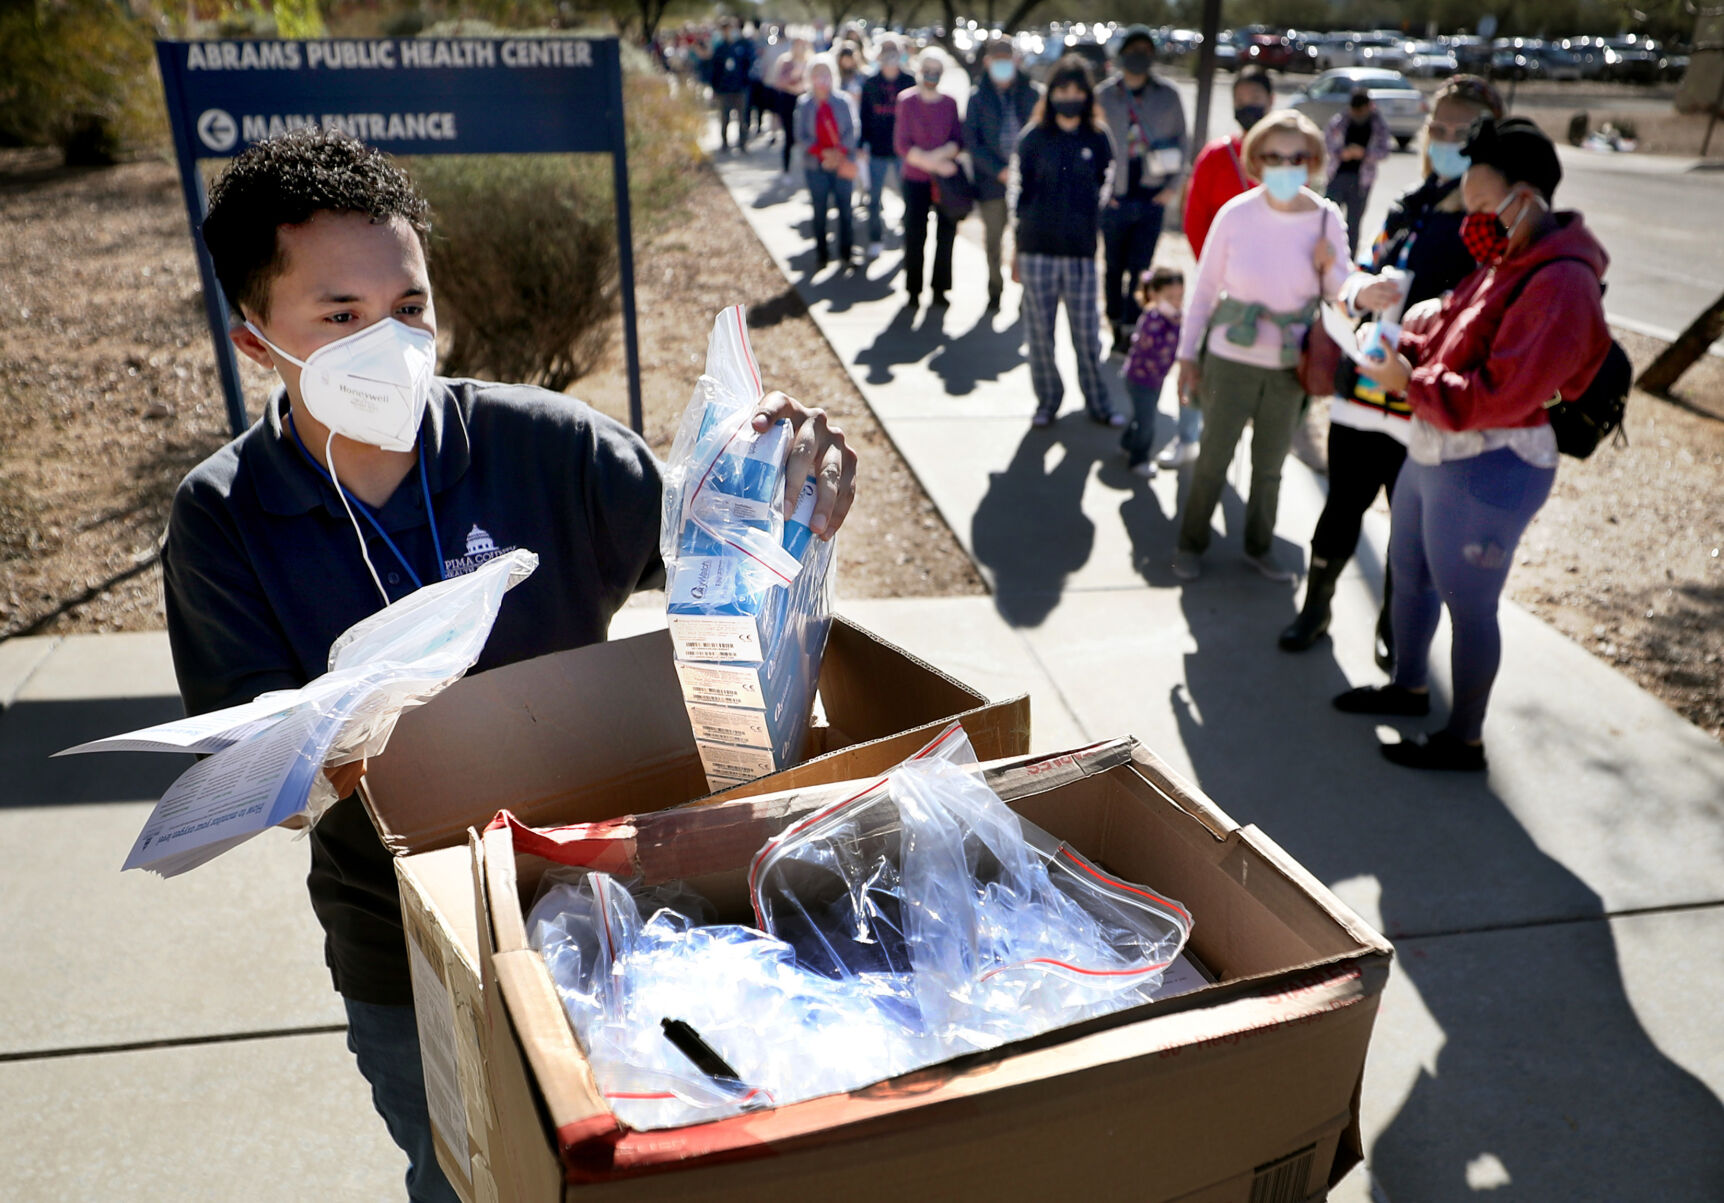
pixel 1452 537
pixel 1360 463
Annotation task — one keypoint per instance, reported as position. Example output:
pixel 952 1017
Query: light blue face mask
pixel 1447 160
pixel 1283 183
pixel 1003 70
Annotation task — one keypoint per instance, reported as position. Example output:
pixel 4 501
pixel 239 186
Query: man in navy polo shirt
pixel 301 527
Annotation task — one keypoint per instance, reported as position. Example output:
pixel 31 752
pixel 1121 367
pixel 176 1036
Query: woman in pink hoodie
pixel 1479 366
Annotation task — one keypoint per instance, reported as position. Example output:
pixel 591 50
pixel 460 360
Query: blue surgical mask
pixel 1283 183
pixel 1002 70
pixel 1447 160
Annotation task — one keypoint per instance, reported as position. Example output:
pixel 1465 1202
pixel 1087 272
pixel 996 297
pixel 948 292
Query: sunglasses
pixel 1298 158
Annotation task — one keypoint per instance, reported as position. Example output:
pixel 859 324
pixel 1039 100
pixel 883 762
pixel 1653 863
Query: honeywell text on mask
pixel 387 54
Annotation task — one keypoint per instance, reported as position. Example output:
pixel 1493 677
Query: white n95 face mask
pixel 371 386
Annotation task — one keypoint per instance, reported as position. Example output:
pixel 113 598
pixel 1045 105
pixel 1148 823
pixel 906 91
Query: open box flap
pixel 600 731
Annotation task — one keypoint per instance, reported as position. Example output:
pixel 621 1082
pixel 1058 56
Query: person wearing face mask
pixel 1423 255
pixel 1065 158
pixel 368 475
pixel 1272 255
pixel 729 69
pixel 1479 366
pixel 1357 139
pixel 789 81
pixel 999 109
pixel 826 132
pixel 1147 122
pixel 880 92
pixel 928 137
pixel 1217 176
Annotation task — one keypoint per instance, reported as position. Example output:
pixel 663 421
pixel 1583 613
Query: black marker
pixel 690 1045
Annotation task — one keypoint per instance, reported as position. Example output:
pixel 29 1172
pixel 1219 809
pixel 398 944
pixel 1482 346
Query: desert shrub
pixel 523 248
pixel 80 75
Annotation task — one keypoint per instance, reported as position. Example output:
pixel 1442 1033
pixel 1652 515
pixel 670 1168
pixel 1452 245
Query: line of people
pixel 1486 307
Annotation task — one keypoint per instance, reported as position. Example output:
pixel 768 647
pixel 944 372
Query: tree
pixel 1662 373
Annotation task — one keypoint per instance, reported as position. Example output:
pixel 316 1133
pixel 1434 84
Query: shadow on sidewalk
pixel 986 351
pixel 1030 531
pixel 909 337
pixel 31 732
pixel 1545 1085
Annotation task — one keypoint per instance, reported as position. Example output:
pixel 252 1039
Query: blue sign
pixel 406 96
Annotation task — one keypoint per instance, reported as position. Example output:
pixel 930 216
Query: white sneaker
pixel 1271 568
pixel 1146 469
pixel 874 249
pixel 1177 453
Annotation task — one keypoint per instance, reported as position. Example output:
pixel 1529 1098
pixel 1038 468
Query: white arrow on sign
pixel 217 129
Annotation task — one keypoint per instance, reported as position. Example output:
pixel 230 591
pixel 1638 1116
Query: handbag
pixel 955 194
pixel 847 169
pixel 1319 356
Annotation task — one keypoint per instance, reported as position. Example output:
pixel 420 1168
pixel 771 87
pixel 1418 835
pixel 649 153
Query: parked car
pixel 1337 50
pixel 1403 106
pixel 1591 56
pixel 1672 67
pixel 1516 58
pixel 1430 60
pixel 1387 52
pixel 1472 54
pixel 1558 63
pixel 1633 60
pixel 1273 51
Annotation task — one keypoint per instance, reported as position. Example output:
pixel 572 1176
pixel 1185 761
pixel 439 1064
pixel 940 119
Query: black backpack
pixel 1581 424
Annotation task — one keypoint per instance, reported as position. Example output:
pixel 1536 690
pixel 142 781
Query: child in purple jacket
pixel 1160 293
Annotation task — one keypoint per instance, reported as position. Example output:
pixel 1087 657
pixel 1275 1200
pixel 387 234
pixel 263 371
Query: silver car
pixel 1403 106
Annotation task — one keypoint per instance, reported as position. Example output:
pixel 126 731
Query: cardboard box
pixel 1246 1089
pixel 586 735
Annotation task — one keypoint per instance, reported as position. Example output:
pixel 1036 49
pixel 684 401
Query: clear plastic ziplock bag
pixel 724 481
pixel 1000 930
pixel 625 960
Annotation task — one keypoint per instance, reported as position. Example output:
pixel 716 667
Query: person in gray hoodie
pixel 1147 122
pixel 999 109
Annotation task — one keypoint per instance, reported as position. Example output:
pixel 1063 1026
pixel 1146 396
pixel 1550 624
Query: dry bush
pixel 79 75
pixel 523 248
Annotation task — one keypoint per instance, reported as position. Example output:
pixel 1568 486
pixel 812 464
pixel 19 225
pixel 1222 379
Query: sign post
pixel 407 96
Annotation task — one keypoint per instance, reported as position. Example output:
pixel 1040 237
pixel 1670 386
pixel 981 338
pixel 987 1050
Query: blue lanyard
pixel 424 485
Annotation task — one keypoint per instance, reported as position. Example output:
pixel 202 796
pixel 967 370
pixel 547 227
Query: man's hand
pixel 944 168
pixel 1166 196
pixel 1017 271
pixel 344 779
pixel 1005 176
pixel 818 449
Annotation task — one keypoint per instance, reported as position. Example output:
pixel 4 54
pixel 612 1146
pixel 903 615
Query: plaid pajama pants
pixel 1048 280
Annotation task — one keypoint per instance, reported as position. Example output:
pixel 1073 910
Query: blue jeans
pixel 825 187
pixel 385 1042
pixel 1145 401
pixel 878 166
pixel 1453 529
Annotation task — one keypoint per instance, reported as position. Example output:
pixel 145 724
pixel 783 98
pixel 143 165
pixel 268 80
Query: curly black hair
pixel 282 181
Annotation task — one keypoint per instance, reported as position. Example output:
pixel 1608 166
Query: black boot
pixel 1313 617
pixel 1384 649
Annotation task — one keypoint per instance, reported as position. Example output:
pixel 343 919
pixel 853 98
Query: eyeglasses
pixel 1298 158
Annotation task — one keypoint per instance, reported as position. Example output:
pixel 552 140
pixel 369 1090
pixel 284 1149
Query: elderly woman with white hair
pixel 1273 254
pixel 826 132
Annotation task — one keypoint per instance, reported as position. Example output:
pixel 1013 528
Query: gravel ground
pixel 109 397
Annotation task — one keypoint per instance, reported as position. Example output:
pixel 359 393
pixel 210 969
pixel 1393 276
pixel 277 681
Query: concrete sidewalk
pixel 1559 921
pixel 1548 1034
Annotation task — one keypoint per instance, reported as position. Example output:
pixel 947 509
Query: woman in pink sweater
pixel 1271 257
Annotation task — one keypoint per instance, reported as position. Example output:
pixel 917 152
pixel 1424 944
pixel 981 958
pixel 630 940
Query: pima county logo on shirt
pixel 1088 153
pixel 480 548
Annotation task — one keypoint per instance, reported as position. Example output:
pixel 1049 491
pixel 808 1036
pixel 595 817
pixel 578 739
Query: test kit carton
pixel 1245 1090
pixel 590 734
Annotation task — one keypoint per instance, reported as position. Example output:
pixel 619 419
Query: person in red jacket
pixel 1478 367
pixel 1218 175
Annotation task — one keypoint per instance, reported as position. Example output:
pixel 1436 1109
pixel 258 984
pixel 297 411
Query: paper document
pixel 1340 328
